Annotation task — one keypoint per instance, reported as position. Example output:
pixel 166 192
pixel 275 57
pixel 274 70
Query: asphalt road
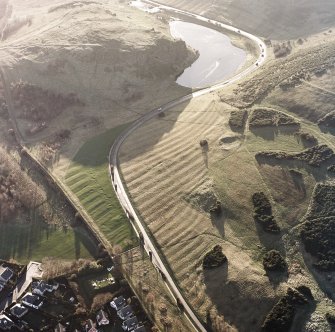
pixel 120 187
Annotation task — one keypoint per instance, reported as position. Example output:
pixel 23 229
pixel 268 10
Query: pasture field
pixel 25 242
pixel 165 167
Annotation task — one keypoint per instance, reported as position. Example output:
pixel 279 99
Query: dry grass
pixel 150 287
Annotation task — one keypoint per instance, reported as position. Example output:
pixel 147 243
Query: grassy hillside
pixel 89 180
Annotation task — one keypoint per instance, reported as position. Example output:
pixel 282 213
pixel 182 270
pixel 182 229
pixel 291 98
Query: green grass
pixel 88 178
pixel 35 241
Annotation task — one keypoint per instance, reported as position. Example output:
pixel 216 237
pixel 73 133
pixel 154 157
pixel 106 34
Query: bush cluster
pixel 263 213
pixel 237 119
pixel 314 156
pixel 306 138
pixel 282 314
pixel 263 117
pixel 214 258
pixel 331 168
pixel 282 50
pixel 318 231
pixel 39 105
pixel 328 120
pixel 273 261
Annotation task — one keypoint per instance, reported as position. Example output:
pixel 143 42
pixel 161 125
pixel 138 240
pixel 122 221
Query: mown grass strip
pixel 88 178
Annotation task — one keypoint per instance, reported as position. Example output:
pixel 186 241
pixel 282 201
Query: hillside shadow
pixel 269 133
pixel 231 299
pixel 327 130
pixel 24 241
pixel 95 151
pixel 319 173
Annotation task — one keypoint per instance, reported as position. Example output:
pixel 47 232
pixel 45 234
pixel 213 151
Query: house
pixel 90 326
pixel 18 310
pixel 130 324
pixel 40 287
pixel 33 301
pixel 140 329
pixel 125 312
pixel 118 303
pixel 5 274
pixel 60 328
pixel 102 318
pixel 5 323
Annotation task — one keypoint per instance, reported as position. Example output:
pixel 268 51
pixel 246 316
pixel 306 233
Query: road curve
pixel 114 169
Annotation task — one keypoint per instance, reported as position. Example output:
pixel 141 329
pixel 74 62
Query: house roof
pixel 101 316
pixel 131 322
pixel 5 323
pixel 126 311
pixel 6 273
pixel 140 329
pixel 60 328
pixel 32 299
pixel 119 301
pixel 90 326
pixel 39 286
pixel 18 310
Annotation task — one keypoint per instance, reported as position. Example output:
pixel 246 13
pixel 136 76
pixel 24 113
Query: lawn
pixel 88 178
pixel 25 242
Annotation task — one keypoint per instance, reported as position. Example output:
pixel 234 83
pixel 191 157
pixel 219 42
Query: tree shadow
pixel 276 278
pixel 298 180
pixel 205 150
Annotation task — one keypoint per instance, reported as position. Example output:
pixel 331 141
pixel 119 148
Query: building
pixel 40 287
pixel 102 318
pixel 130 324
pixel 33 301
pixel 125 312
pixel 18 310
pixel 5 274
pixel 140 329
pixel 60 328
pixel 90 326
pixel 5 323
pixel 118 303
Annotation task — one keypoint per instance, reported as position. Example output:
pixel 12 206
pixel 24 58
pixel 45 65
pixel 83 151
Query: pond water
pixel 143 6
pixel 218 57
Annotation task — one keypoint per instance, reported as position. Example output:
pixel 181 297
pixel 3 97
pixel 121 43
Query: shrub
pixel 305 291
pixel 330 318
pixel 328 120
pixel 237 119
pixel 313 156
pixel 263 117
pixel 263 213
pixel 318 231
pixel 273 261
pixel 306 138
pixel 331 168
pixel 214 258
pixel 281 316
pixel 203 143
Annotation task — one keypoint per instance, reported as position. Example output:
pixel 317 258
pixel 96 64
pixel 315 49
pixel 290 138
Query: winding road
pixel 114 169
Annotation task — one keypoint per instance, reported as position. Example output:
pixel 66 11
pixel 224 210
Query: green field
pixel 88 178
pixel 25 242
